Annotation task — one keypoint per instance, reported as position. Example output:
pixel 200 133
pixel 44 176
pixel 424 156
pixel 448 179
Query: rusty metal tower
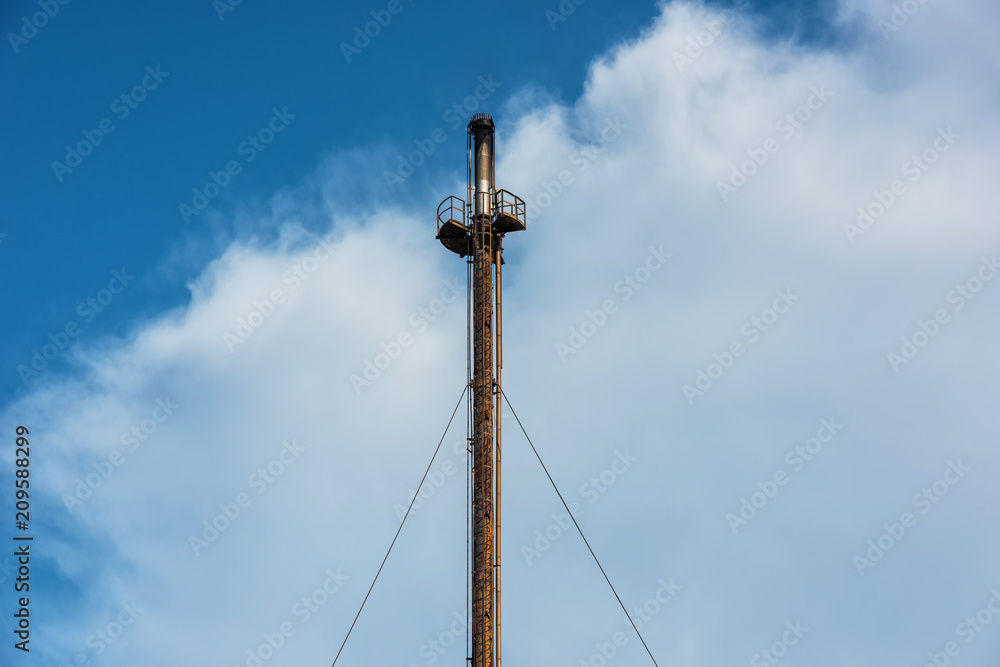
pixel 492 214
pixel 474 227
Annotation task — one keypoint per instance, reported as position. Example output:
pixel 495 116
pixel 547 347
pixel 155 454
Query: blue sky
pixel 751 327
pixel 67 231
pixel 120 207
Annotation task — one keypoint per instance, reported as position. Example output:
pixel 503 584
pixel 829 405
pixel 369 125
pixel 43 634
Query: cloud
pixel 264 355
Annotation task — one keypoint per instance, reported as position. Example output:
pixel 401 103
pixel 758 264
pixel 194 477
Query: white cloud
pixel 675 134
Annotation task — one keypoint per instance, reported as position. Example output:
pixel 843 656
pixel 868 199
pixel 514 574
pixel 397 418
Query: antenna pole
pixel 498 262
pixel 483 530
pixel 492 214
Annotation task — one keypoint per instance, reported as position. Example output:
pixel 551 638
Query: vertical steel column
pixel 489 214
pixel 483 617
pixel 498 263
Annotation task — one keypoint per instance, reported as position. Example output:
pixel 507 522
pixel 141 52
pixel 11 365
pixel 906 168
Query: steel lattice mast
pixel 493 213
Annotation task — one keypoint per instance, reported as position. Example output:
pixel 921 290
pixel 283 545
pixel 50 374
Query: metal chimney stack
pixel 492 213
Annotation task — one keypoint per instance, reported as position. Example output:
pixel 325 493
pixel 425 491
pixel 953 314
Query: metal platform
pixel 454 233
pixel 451 228
pixel 509 213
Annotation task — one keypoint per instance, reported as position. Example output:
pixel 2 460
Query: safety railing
pixel 452 208
pixel 507 203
